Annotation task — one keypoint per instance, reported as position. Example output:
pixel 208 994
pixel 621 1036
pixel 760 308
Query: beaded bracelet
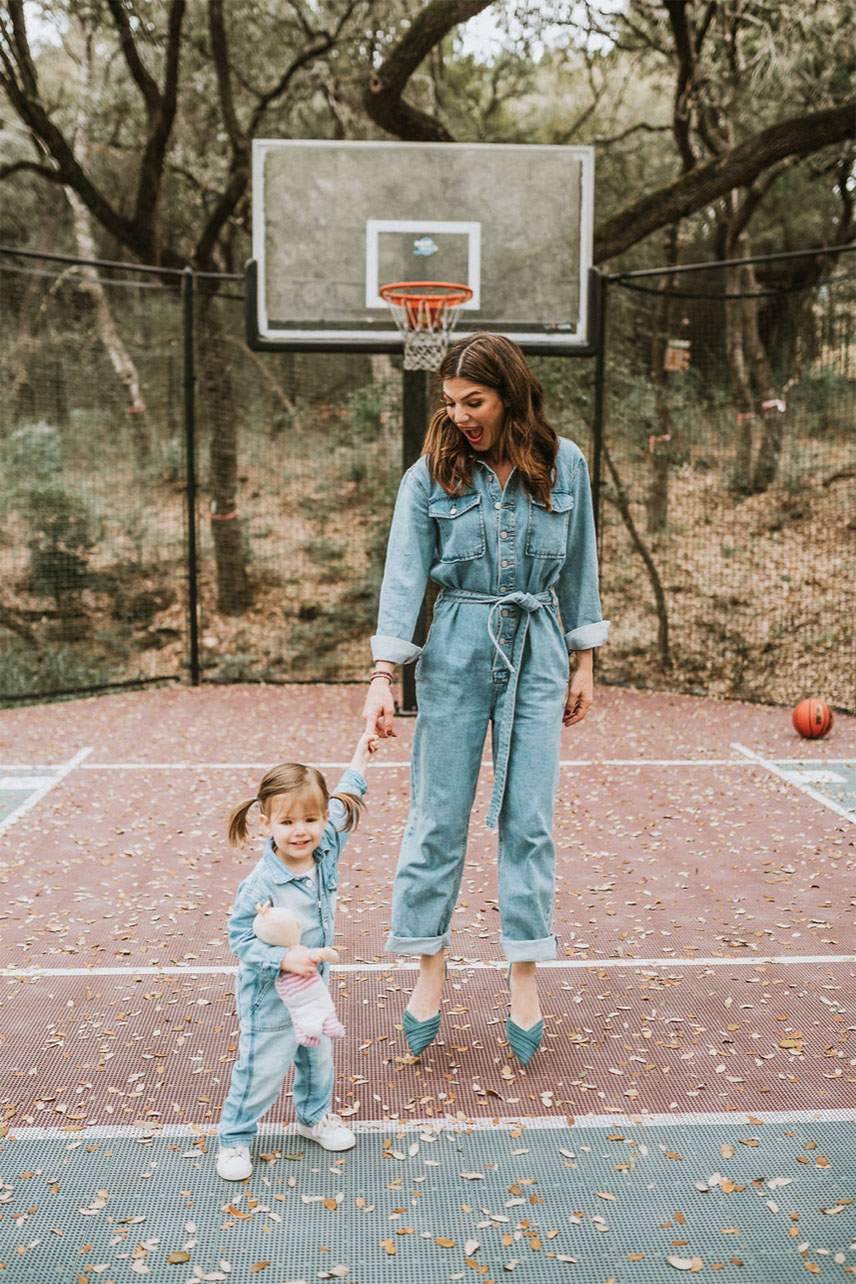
pixel 381 673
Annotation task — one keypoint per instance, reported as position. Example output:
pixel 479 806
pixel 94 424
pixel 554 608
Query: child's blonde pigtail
pixel 238 823
pixel 353 806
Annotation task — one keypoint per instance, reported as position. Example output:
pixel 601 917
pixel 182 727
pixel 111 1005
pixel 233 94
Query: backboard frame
pixel 378 334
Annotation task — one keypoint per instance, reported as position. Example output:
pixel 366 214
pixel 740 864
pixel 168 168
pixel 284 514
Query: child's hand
pixel 299 960
pixel 366 746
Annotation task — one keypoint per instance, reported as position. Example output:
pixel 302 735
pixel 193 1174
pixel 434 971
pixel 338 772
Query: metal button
pixel 503 534
pixel 506 612
pixel 497 504
pixel 453 511
pixel 503 563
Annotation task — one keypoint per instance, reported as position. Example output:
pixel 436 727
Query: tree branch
pixel 383 96
pixel 141 77
pixel 161 115
pixel 797 136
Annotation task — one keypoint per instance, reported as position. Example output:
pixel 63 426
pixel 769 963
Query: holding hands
pixel 379 707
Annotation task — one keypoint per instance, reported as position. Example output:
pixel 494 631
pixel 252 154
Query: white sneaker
pixel 234 1163
pixel 329 1132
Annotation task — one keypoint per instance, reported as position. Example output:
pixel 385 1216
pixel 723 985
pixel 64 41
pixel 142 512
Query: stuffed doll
pixel 306 997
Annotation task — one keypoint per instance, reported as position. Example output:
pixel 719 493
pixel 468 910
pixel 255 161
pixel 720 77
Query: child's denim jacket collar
pixel 324 855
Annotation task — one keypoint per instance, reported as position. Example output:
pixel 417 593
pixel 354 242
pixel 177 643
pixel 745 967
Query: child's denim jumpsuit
pixel 268 1044
pixel 496 654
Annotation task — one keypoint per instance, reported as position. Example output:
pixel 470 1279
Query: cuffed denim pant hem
pixel 417 944
pixel 529 951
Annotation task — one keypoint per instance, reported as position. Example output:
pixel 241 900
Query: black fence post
pixel 599 296
pixel 189 380
pixel 414 421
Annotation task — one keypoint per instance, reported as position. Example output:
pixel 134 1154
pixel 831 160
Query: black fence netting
pixel 176 506
pixel 729 480
pixel 123 395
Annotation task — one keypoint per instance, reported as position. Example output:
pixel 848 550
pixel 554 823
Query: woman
pixel 498 513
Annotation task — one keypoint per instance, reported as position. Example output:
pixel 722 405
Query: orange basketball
pixel 812 719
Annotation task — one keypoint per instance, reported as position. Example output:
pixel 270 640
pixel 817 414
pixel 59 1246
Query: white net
pixel 426 323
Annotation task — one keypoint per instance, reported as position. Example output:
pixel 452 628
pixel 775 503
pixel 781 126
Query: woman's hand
pixel 580 690
pixel 379 709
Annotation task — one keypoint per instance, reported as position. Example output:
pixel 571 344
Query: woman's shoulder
pixel 569 457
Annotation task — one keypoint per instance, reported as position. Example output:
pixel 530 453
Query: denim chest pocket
pixel 547 533
pixel 460 527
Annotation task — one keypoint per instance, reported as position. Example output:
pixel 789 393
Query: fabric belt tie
pixel 528 603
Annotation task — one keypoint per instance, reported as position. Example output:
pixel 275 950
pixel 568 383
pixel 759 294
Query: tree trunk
pixel 664 658
pixel 770 445
pixel 108 333
pixel 22 393
pixel 91 286
pixel 660 442
pixel 735 351
pixel 233 585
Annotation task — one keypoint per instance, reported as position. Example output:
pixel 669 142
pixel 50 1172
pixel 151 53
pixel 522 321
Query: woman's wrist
pixel 382 669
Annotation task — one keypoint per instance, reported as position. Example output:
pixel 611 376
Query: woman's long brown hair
pixel 530 442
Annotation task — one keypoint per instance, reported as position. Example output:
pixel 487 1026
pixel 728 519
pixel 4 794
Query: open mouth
pixel 473 435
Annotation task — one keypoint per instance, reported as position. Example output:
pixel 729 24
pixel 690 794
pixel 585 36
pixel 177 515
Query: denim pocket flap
pixel 560 502
pixel 453 506
pixel 460 527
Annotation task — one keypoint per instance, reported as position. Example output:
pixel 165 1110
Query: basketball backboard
pixel 333 221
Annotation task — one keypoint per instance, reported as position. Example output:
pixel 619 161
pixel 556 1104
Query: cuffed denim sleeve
pixel 243 941
pixel 576 588
pixel 410 552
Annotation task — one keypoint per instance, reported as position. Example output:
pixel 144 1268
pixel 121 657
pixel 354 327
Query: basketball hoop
pixel 425 313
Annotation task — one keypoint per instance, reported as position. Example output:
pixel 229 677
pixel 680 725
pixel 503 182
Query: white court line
pixel 60 773
pixel 264 766
pixel 792 779
pixel 536 1123
pixel 405 763
pixel 558 965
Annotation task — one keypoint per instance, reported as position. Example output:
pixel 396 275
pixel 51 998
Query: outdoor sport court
pixel 693 1107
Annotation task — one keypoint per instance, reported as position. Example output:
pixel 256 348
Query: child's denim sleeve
pixel 351 783
pixel 577 587
pixel 242 939
pixel 409 554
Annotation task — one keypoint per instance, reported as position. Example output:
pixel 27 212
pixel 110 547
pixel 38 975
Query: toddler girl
pixel 306 830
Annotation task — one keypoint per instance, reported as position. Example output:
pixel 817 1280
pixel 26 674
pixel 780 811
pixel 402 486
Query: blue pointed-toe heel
pixel 421 1034
pixel 523 1043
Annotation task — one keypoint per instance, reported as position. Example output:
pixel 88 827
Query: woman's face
pixel 477 411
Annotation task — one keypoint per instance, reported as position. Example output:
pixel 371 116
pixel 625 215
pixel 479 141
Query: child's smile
pixel 296 825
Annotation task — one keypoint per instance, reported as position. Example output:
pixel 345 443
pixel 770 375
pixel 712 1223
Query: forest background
pixel 722 131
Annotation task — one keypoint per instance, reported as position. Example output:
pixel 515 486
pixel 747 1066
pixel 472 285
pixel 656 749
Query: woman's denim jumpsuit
pixel 496 654
pixel 268 1044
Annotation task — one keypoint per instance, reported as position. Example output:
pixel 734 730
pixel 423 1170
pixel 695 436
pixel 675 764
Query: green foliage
pixel 63 531
pixel 52 670
pixel 35 450
pixel 375 409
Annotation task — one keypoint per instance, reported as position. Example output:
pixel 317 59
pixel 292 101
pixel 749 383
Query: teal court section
pixel 834 780
pixel 19 784
pixel 762 1201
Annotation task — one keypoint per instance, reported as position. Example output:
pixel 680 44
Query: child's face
pixel 295 824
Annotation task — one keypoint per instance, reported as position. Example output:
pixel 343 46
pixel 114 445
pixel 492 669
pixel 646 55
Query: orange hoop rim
pixel 404 292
